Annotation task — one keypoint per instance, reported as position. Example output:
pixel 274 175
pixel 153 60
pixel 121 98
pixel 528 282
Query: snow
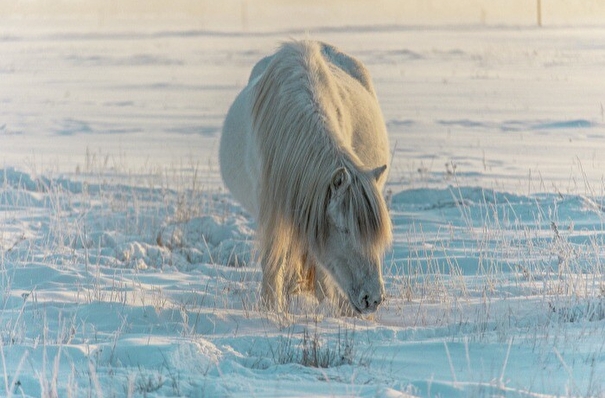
pixel 127 269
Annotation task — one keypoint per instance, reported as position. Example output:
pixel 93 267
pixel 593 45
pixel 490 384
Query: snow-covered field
pixel 126 269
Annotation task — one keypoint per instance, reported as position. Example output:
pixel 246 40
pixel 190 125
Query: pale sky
pixel 255 15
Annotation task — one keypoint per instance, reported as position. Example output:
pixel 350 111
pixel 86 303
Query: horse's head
pixel 358 232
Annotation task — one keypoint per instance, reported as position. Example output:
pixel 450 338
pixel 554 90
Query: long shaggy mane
pixel 297 116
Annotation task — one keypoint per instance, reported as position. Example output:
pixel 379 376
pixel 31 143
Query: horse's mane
pixel 297 115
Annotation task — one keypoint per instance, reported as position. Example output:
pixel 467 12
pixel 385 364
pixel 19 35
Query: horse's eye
pixel 340 229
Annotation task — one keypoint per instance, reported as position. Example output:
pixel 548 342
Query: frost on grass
pixel 131 227
pixel 137 287
pixel 316 351
pixel 209 240
pixel 79 296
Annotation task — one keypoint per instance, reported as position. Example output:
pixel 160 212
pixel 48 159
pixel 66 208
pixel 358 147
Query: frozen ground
pixel 126 269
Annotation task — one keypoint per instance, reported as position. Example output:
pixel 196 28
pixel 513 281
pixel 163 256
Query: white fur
pixel 304 149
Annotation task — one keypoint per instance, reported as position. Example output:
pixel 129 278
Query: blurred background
pixel 267 15
pixel 125 78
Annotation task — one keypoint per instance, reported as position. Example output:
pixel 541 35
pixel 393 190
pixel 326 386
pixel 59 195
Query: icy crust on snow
pixel 76 218
pixel 477 205
pixel 84 258
pixel 21 181
pixel 154 291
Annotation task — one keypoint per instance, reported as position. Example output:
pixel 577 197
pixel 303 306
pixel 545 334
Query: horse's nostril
pixel 378 301
pixel 367 302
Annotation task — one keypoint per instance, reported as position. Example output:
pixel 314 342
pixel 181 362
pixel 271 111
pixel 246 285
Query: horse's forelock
pixel 367 215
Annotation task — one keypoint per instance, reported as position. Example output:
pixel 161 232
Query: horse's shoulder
pixel 352 66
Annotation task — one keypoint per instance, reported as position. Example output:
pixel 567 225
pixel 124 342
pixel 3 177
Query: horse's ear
pixel 378 172
pixel 341 179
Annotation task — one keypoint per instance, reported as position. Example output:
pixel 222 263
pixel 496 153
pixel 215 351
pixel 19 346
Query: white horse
pixel 304 148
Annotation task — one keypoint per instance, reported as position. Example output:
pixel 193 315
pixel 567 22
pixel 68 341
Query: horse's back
pixel 238 156
pixel 350 65
pixel 353 67
pixel 259 68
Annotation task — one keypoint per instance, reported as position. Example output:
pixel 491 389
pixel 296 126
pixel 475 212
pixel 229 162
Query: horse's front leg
pixel 272 286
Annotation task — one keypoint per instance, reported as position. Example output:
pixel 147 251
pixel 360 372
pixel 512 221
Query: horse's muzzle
pixel 367 302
